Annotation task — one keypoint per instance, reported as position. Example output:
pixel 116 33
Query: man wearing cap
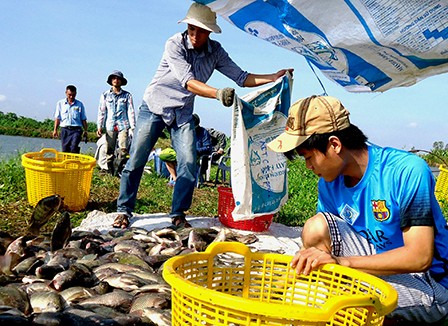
pixel 116 116
pixel 376 209
pixel 187 63
pixel 70 115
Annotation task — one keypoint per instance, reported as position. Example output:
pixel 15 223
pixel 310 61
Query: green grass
pixel 302 195
pixel 154 196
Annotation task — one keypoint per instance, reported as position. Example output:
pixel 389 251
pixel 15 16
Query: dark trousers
pixel 71 137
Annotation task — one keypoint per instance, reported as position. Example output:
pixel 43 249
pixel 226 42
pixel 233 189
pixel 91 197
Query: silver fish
pixel 46 302
pixel 153 288
pixel 118 299
pixel 149 277
pixel 151 300
pixel 128 259
pixel 127 282
pixel 132 247
pixel 221 236
pixel 77 274
pixel 195 242
pixel 117 267
pixel 165 235
pixel 75 294
pixel 155 316
pixel 144 237
pixel 36 287
pixel 91 261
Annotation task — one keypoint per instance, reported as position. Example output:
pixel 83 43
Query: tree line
pixel 13 125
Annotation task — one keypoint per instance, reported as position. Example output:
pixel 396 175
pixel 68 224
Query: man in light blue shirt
pixel 70 115
pixel 187 63
pixel 116 116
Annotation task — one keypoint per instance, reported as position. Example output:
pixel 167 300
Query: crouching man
pixel 376 209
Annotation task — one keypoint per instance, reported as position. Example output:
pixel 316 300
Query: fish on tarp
pixel 157 300
pixel 61 232
pixel 16 298
pixel 15 252
pixel 44 210
pixel 133 247
pixel 76 275
pixel 27 266
pixel 118 299
pixel 46 302
pixel 156 316
pixel 124 281
pixel 75 294
pixel 195 242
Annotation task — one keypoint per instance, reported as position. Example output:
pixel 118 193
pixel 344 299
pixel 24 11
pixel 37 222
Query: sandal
pixel 179 222
pixel 121 221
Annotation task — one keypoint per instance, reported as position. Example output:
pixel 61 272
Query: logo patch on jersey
pixel 349 214
pixel 380 211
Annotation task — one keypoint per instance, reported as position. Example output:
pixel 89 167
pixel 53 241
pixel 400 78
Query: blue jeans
pixel 183 139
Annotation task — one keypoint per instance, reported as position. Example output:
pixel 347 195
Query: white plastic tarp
pixel 363 45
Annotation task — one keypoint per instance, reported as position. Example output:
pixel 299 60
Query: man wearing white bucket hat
pixel 377 211
pixel 187 64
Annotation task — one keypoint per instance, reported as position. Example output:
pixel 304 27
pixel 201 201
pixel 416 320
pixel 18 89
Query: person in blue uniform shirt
pixel 70 115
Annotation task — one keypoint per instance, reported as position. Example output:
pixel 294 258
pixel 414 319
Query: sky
pixel 48 44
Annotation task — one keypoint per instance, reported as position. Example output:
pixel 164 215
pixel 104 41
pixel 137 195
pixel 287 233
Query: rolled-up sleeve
pixel 229 68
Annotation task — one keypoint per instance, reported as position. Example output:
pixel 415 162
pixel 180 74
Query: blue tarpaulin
pixel 363 45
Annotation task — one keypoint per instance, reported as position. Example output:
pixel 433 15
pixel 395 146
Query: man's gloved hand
pixel 226 95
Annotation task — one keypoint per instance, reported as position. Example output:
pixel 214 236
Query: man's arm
pixel 254 80
pixel 415 256
pixel 199 88
pixel 85 126
pixel 56 126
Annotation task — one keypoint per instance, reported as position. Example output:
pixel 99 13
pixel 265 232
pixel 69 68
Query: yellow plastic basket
pixel 50 172
pixel 230 285
pixel 441 190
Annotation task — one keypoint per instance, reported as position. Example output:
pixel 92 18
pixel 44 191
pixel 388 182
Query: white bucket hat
pixel 201 16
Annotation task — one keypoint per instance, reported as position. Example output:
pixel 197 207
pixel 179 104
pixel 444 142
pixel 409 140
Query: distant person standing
pixel 116 116
pixel 71 116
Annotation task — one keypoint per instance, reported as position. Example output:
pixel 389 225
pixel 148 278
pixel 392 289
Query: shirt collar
pixel 112 91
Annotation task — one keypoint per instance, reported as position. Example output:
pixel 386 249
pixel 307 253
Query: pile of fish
pixel 89 278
